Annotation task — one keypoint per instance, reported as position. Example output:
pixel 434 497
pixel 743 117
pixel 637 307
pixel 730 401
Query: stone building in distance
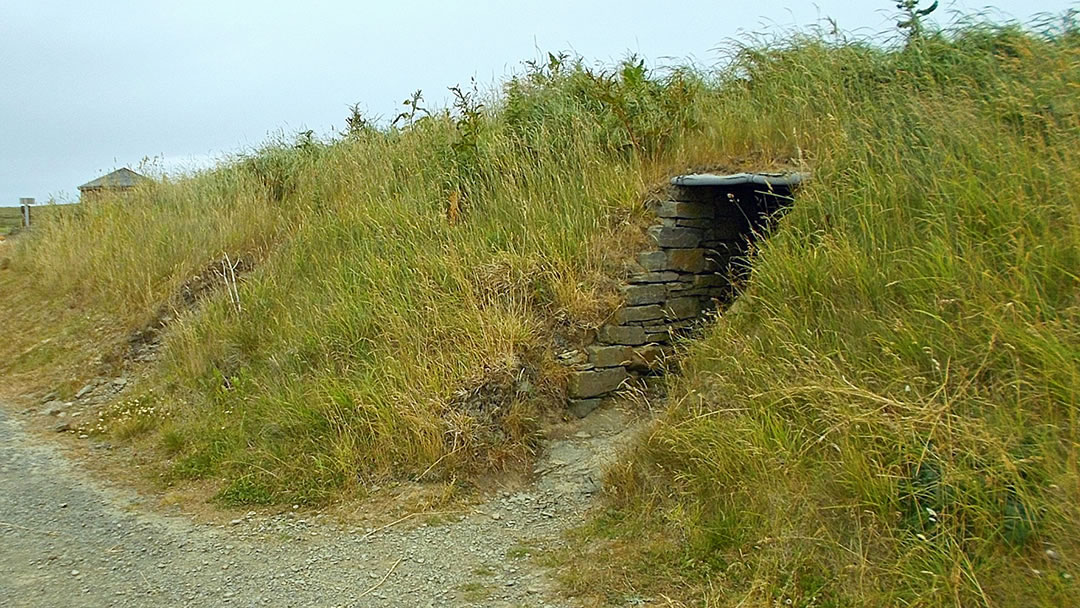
pixel 121 180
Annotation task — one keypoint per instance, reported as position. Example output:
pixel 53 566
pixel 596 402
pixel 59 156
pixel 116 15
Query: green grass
pixel 407 284
pixel 483 571
pixel 522 550
pixel 475 592
pixel 890 417
pixel 11 217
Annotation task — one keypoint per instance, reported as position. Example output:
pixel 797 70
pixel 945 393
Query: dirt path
pixel 65 540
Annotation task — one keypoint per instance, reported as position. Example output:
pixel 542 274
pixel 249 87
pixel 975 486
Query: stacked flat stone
pixel 705 224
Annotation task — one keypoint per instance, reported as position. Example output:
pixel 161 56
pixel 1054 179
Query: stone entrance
pixel 703 230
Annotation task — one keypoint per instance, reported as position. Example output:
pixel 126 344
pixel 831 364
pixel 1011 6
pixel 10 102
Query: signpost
pixel 25 204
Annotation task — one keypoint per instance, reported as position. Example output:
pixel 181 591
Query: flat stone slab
pixel 740 179
pixel 677 209
pixel 686 260
pixel 620 334
pixel 655 277
pixel 653 261
pixel 672 236
pixel 691 260
pixel 648 293
pixel 585 385
pixel 610 356
pixel 632 314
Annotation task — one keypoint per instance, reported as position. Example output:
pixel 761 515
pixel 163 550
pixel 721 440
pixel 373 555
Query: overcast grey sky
pixel 90 86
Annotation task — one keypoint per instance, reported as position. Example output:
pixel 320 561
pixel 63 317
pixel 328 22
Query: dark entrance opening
pixel 705 227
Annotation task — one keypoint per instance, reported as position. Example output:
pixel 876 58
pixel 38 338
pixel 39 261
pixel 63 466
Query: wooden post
pixel 25 204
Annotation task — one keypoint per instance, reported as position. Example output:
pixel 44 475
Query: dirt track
pixel 66 540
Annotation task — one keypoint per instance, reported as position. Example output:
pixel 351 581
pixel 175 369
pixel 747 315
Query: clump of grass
pixel 475 591
pixel 522 551
pixel 129 417
pixel 891 416
pixel 10 220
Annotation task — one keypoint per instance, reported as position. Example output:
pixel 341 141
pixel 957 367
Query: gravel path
pixel 66 539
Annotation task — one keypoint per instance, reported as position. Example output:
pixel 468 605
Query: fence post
pixel 25 204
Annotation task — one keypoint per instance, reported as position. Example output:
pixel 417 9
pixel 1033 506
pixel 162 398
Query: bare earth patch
pixel 68 539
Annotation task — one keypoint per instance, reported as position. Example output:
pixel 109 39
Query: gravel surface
pixel 66 539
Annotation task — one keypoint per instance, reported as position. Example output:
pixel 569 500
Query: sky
pixel 90 86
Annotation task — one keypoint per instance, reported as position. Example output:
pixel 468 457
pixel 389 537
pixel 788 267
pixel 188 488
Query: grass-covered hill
pixel 889 417
pixel 399 291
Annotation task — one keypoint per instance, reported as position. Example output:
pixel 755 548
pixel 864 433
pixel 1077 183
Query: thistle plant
pixel 912 17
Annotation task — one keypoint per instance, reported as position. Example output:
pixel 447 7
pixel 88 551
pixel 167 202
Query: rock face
pixel 703 228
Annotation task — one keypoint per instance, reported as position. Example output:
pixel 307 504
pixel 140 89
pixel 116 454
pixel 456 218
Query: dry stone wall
pixel 703 229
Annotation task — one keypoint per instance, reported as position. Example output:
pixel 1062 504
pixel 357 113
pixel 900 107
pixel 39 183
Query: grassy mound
pixel 398 290
pixel 890 416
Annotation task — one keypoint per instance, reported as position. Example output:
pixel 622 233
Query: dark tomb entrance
pixel 705 226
